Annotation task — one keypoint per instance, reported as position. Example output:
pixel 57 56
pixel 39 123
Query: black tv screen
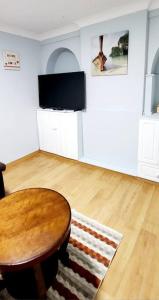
pixel 62 91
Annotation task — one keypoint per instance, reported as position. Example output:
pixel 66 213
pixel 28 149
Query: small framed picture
pixel 11 60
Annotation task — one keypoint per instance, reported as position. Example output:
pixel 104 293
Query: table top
pixel 34 223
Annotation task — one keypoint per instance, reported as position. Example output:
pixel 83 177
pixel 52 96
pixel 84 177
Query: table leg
pixel 63 254
pixel 40 282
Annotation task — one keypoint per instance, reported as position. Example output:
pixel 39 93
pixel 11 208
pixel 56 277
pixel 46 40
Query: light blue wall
pixel 114 103
pixel 66 62
pixel 152 78
pixel 153 45
pixel 19 99
pixel 70 41
pixel 62 60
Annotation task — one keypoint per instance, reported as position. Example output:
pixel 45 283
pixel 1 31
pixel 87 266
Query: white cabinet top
pixel 56 110
pixel 153 117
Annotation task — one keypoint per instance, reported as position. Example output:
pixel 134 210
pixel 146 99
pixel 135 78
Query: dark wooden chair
pixel 2 285
pixel 2 190
pixel 2 194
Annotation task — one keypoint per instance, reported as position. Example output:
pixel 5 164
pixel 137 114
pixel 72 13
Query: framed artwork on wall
pixel 110 54
pixel 11 60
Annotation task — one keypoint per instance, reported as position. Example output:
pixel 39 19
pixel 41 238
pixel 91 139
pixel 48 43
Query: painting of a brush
pixel 101 59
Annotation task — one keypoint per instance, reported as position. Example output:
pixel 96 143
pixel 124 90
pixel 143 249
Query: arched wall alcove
pixel 62 60
pixel 155 64
pixel 152 87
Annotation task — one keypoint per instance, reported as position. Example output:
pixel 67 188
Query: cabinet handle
pixel 53 129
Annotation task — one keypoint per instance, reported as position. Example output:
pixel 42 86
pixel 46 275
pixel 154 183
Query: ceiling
pixel 41 19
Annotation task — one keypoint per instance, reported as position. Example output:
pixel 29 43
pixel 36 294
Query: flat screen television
pixel 62 91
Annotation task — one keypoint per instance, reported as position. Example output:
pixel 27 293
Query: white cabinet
pixel 60 132
pixel 148 154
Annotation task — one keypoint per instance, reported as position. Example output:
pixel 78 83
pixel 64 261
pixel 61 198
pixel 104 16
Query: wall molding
pixel 129 171
pixel 18 32
pixel 153 13
pixel 22 159
pixel 61 37
pixel 114 12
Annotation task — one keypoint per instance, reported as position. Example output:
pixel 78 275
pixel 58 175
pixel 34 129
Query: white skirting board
pixel 131 171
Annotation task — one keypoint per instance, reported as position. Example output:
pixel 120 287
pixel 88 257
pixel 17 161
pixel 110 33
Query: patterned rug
pixel 91 249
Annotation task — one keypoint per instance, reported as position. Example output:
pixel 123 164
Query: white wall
pixel 19 99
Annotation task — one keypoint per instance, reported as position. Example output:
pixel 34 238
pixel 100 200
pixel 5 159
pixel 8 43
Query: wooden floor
pixel 125 203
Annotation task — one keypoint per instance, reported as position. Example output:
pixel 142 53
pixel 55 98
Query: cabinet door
pixel 58 133
pixel 69 135
pixel 149 141
pixel 54 133
pixel 42 118
pixel 49 131
pixel 148 171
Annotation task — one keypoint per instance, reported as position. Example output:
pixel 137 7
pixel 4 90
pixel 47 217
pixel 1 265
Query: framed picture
pixel 11 60
pixel 110 54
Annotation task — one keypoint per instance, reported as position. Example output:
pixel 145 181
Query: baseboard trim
pixel 58 156
pixel 81 160
pixel 146 180
pixel 130 171
pixel 22 159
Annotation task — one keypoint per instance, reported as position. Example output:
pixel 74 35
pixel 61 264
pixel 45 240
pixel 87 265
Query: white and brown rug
pixel 91 248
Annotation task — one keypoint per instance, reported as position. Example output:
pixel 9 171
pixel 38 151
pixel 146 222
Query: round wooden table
pixel 34 231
